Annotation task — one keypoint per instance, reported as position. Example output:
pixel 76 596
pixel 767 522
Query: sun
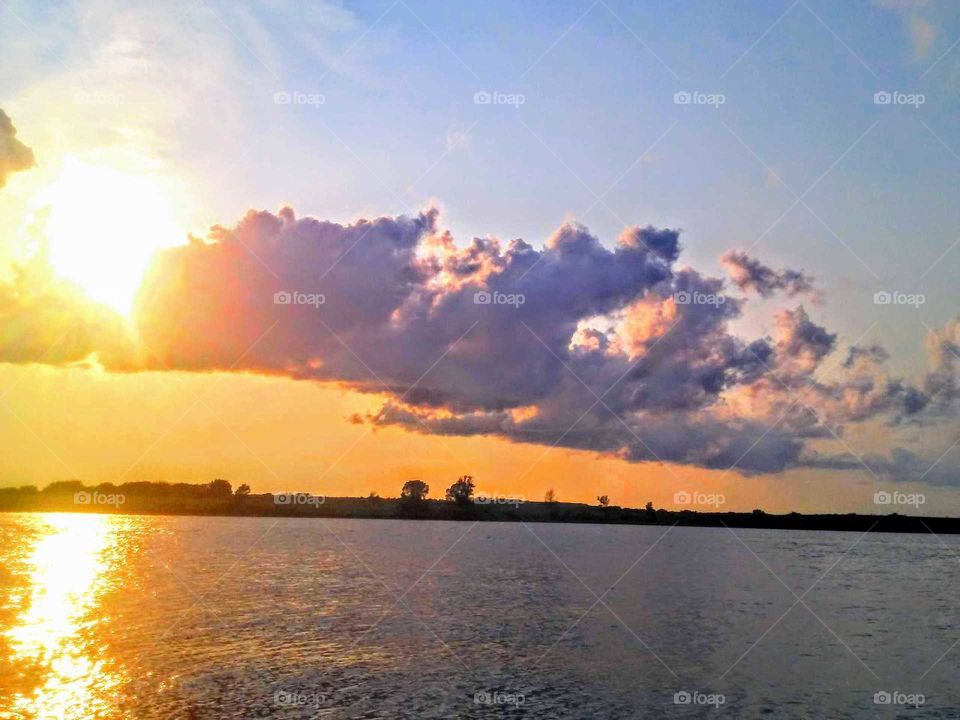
pixel 103 228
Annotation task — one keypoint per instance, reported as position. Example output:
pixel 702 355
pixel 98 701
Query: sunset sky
pixel 702 285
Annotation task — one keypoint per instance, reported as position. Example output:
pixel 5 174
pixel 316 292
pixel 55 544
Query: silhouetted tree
pixel 550 496
pixel 461 492
pixel 603 500
pixel 414 490
pixel 243 490
pixel 374 495
pixel 651 512
pixel 220 488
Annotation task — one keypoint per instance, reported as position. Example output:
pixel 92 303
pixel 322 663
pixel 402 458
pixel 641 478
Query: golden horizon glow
pixel 104 226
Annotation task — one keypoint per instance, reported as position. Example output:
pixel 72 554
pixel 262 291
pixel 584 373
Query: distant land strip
pixel 218 499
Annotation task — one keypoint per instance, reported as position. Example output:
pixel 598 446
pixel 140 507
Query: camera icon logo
pixel 882 497
pixel 482 97
pixel 682 698
pixel 682 98
pixel 882 297
pixel 682 298
pixel 482 298
pixel 282 298
pixel 882 98
pixel 682 498
pixel 882 698
pixel 81 498
pixel 282 98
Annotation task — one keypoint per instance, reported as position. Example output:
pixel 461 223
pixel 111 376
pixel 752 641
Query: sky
pixel 688 221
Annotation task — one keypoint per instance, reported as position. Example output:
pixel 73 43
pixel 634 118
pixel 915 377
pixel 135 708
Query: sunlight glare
pixel 104 226
pixel 67 571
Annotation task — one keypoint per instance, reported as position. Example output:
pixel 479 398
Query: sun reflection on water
pixel 68 569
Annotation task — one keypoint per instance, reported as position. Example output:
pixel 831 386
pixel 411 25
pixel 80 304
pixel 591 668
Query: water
pixel 163 617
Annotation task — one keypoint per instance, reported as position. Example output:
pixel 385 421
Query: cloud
pixel 801 341
pixel 615 350
pixel 14 155
pixel 576 344
pixel 942 383
pixel 398 294
pixel 874 353
pixel 900 465
pixel 47 320
pixel 749 274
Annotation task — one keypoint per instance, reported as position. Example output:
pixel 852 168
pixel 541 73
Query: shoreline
pixel 317 507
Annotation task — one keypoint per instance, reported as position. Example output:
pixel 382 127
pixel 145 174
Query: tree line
pixel 460 502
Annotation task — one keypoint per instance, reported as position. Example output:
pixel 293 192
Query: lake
pixel 115 616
